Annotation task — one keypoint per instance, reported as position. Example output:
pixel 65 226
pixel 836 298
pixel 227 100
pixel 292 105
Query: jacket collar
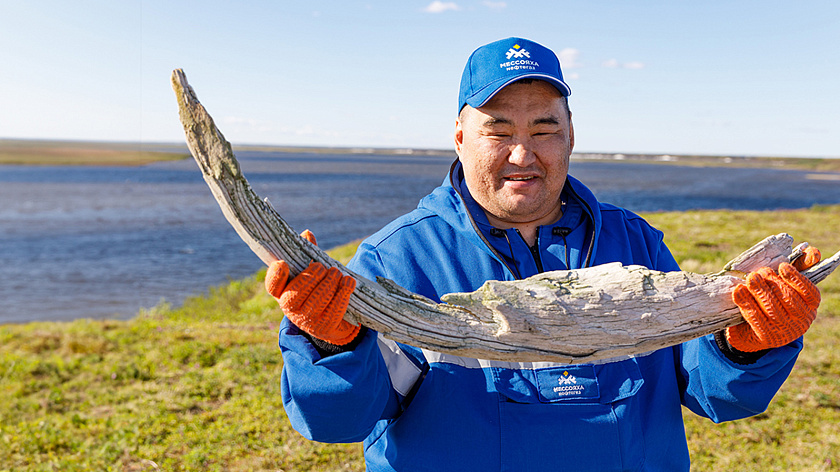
pixel 466 217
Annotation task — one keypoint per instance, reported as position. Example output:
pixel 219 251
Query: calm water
pixel 104 242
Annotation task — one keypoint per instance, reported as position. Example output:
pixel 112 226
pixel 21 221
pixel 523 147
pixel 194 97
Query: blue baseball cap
pixel 493 66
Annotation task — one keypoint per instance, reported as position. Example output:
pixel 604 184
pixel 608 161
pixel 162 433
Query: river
pixel 103 242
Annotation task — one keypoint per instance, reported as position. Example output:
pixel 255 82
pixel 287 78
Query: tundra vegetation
pixel 196 387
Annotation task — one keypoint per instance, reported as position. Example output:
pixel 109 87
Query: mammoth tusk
pixel 570 317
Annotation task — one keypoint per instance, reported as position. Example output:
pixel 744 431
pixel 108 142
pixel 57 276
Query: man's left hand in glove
pixel 778 306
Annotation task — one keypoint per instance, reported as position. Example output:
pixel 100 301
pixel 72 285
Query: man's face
pixel 515 153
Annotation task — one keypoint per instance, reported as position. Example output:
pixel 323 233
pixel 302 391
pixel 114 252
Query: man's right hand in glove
pixel 316 300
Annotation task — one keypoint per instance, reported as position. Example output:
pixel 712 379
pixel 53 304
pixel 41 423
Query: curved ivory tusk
pixel 573 316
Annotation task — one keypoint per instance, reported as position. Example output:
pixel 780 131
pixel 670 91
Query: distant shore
pixel 92 153
pixel 793 163
pixel 82 153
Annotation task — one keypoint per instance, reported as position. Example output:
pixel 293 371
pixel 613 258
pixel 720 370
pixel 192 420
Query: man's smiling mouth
pixel 520 179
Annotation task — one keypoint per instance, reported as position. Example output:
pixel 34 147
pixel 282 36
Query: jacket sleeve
pixel 717 387
pixel 340 397
pixel 722 390
pixel 337 398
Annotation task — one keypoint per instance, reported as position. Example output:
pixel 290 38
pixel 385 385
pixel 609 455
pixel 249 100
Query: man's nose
pixel 521 154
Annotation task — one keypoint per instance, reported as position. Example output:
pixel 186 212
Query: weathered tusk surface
pixel 571 317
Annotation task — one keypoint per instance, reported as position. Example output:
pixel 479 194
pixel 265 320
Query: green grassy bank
pixel 197 387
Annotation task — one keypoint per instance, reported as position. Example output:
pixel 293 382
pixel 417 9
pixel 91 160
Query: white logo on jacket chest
pixel 568 385
pixel 567 379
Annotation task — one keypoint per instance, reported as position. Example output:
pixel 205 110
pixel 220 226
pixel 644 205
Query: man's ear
pixel 571 135
pixel 459 137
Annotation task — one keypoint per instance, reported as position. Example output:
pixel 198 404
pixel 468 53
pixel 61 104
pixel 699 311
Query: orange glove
pixel 809 258
pixel 778 307
pixel 316 300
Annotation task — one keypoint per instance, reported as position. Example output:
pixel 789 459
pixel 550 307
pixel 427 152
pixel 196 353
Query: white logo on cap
pixel 517 51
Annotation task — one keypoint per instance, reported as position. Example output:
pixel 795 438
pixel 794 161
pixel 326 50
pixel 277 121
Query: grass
pixel 800 429
pixel 61 153
pixel 196 387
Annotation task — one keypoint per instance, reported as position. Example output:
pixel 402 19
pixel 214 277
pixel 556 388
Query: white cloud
pixel 495 5
pixel 238 120
pixel 239 123
pixel 610 64
pixel 614 64
pixel 439 7
pixel 568 58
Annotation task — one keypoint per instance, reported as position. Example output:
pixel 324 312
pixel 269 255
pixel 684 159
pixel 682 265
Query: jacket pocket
pixel 582 417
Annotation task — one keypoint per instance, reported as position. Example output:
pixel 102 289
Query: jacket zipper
pixel 475 226
pixel 535 251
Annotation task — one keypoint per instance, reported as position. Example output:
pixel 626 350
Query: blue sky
pixel 712 77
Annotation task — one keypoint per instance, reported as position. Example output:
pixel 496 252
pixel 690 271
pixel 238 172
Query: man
pixel 508 210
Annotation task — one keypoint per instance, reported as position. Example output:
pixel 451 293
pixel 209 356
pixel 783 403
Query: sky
pixel 714 77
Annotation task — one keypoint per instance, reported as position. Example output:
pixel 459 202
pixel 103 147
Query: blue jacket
pixel 419 410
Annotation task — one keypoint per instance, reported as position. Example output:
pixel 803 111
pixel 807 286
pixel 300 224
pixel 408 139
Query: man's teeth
pixel 519 178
